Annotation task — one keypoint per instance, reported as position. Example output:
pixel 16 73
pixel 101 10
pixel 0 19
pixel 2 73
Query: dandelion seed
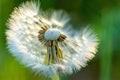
pixel 40 41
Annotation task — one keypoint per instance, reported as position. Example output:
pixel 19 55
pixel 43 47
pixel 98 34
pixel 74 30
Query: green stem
pixel 106 58
pixel 56 77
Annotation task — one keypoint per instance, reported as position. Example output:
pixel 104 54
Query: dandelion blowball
pixel 42 41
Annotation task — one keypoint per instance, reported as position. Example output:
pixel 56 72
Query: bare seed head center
pixel 48 34
pixel 51 34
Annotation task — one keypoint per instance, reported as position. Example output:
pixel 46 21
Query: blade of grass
pixel 106 58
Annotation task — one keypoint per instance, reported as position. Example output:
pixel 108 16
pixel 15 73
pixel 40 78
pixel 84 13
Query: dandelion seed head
pixel 40 42
pixel 52 34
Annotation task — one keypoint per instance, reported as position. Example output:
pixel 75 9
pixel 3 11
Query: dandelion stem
pixel 56 77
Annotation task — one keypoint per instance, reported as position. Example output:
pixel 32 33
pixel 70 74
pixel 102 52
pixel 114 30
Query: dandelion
pixel 43 42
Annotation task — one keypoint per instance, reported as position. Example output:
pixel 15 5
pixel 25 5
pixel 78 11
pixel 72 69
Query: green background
pixel 102 15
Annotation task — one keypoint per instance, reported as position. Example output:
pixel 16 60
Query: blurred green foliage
pixel 103 15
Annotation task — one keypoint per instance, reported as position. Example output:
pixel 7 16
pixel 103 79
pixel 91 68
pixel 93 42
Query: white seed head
pixel 22 38
pixel 51 34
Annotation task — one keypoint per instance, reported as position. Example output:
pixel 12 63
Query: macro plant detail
pixel 44 42
pixel 50 38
